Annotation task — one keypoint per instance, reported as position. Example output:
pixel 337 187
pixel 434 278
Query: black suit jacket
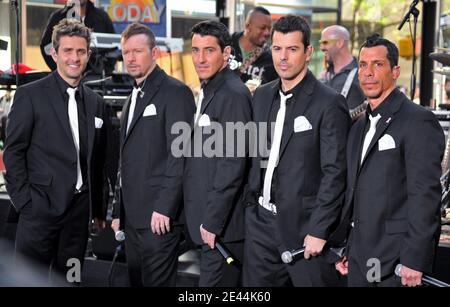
pixel 394 196
pixel 40 155
pixel 151 175
pixel 213 186
pixel 311 171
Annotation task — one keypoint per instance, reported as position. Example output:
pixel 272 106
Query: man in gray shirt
pixel 341 73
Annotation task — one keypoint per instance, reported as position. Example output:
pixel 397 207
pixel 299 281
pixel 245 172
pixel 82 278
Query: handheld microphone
pixel 427 280
pixel 224 252
pixel 289 256
pixel 119 235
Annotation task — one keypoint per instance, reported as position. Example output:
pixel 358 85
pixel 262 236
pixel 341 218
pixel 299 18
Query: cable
pixel 111 268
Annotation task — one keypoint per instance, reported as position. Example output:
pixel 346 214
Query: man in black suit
pixel 393 189
pixel 213 181
pixel 55 154
pixel 295 192
pixel 151 175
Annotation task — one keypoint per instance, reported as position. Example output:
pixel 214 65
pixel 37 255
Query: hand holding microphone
pixel 213 241
pixel 224 252
pixel 412 281
pixel 119 235
pixel 312 246
pixel 289 256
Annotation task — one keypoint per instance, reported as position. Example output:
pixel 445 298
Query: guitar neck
pixel 445 158
pixel 355 112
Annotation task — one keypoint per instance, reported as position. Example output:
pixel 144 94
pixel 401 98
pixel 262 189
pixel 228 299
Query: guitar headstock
pixel 358 111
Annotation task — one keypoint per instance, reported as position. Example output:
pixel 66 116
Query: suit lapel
pixel 355 147
pixel 395 104
pixel 301 103
pixel 266 104
pixel 150 90
pixel 381 127
pixel 206 101
pixel 90 102
pixel 54 97
pixel 124 119
pixel 210 89
pixel 212 86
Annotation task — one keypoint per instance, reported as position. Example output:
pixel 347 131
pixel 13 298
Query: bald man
pixel 341 73
pixel 251 50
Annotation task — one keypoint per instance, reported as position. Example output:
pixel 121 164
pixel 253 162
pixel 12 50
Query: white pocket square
pixel 150 110
pixel 98 123
pixel 204 121
pixel 301 123
pixel 386 142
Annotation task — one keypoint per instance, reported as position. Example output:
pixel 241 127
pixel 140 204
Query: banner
pixel 152 13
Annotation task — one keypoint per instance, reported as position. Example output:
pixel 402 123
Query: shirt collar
pixel 215 81
pixel 63 85
pixel 148 80
pixel 346 68
pixel 383 107
pixel 296 89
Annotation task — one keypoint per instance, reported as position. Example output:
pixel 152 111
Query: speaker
pixel 3 45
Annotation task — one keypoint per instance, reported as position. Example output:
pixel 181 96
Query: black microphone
pixel 411 10
pixel 224 252
pixel 289 256
pixel 427 280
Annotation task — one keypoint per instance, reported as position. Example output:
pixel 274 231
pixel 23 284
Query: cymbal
pixel 443 58
pixel 442 72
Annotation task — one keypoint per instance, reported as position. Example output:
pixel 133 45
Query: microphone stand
pixel 415 12
pixel 15 8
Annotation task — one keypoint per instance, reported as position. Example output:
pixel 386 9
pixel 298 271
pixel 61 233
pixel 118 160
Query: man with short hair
pixel 341 73
pixel 150 174
pixel 250 47
pixel 392 205
pixel 214 179
pixel 55 153
pixel 295 192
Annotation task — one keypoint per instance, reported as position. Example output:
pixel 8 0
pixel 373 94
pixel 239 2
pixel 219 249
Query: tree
pixel 370 16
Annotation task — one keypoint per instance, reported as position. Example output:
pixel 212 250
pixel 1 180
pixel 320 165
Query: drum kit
pixel 442 57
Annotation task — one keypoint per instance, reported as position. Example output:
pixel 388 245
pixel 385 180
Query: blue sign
pixel 152 13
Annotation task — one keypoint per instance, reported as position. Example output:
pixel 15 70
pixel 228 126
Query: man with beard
pixel 250 47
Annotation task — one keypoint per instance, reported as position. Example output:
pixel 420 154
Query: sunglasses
pixel 328 41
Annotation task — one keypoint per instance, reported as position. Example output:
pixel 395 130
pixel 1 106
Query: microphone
pixel 427 280
pixel 289 256
pixel 224 252
pixel 119 235
pixel 411 10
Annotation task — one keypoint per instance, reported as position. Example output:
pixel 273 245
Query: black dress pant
pixel 356 278
pixel 50 242
pixel 263 266
pixel 152 259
